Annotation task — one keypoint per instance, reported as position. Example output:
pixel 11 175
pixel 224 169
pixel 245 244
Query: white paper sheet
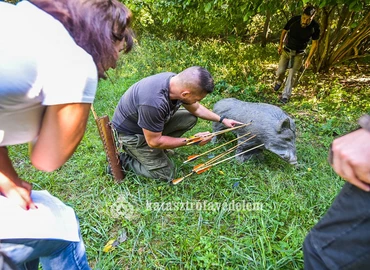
pixel 52 220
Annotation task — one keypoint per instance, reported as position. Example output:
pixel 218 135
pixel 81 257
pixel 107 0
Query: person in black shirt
pixel 295 36
pixel 149 120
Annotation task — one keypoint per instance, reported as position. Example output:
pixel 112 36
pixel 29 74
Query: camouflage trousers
pixel 151 162
pixel 293 62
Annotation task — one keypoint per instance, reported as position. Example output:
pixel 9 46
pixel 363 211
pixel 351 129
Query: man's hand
pixel 307 63
pixel 315 44
pixel 231 123
pixel 200 138
pixel 351 158
pixel 280 49
pixel 204 136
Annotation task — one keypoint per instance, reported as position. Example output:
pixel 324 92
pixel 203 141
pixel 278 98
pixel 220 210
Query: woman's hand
pixel 18 190
pixel 11 186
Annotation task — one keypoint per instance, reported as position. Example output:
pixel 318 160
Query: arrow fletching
pixel 191 158
pixel 202 170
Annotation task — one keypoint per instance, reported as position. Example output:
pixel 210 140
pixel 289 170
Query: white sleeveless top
pixel 40 65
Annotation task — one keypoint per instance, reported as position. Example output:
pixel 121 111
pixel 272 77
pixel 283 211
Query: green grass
pixel 293 198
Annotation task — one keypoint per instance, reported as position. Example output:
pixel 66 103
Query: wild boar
pixel 271 125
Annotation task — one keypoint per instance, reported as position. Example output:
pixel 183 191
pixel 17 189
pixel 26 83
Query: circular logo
pixel 123 208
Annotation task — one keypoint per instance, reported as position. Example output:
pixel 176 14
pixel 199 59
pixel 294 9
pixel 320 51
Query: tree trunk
pixel 343 27
pixel 266 28
pixel 323 42
pixel 343 42
pixel 352 40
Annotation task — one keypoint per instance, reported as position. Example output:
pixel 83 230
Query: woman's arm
pixel 62 129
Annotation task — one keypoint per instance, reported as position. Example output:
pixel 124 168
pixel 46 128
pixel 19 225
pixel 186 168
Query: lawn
pixel 251 215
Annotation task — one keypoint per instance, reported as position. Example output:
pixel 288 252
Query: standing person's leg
pixel 292 76
pixel 280 73
pixel 341 239
pixel 298 62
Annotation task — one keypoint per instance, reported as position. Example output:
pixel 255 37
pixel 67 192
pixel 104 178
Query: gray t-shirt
pixel 146 104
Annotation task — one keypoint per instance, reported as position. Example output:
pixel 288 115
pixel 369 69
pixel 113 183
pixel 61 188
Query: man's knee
pixel 188 120
pixel 166 173
pixel 280 72
pixel 180 123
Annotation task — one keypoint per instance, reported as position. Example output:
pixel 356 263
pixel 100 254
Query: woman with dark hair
pixel 99 27
pixel 52 54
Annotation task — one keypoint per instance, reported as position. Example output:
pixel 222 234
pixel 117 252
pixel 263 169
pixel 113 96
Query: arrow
pixel 178 180
pixel 193 157
pixel 194 140
pixel 204 168
pixel 201 168
pixel 224 154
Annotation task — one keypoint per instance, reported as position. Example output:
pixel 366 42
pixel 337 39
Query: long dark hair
pixel 95 25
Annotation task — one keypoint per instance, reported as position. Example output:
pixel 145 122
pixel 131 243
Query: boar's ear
pixel 283 124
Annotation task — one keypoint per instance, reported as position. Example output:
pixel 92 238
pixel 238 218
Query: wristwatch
pixel 364 122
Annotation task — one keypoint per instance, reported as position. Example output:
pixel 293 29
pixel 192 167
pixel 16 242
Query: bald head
pixel 197 79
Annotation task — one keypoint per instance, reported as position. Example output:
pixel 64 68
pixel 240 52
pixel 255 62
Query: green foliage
pixel 187 18
pixel 344 24
pixel 345 32
pixel 293 199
